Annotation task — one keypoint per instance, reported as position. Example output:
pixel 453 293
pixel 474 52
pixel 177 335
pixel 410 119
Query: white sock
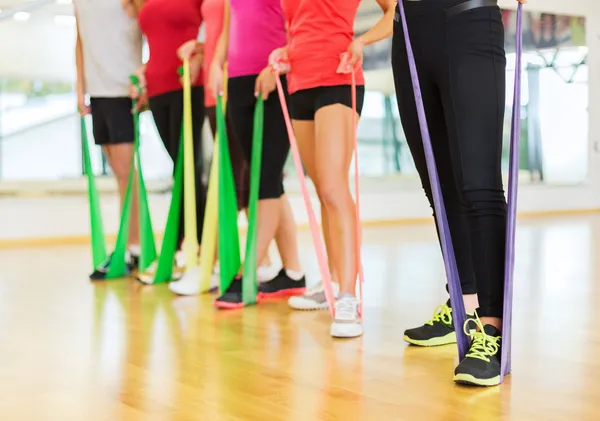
pixel 135 249
pixel 296 276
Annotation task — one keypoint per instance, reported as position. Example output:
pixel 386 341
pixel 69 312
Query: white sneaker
pixel 189 284
pixel 313 299
pixel 347 322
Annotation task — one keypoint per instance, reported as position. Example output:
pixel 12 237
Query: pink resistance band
pixel 314 226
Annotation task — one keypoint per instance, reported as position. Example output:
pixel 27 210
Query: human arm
pixel 132 7
pixel 381 30
pixel 80 88
pixel 215 78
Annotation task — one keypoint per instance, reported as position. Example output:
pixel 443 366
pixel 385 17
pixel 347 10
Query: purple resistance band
pixel 458 309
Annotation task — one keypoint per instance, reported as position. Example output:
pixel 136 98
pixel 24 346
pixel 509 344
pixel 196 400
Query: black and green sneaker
pixel 481 365
pixel 435 332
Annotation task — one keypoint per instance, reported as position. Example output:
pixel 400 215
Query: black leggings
pixel 238 162
pixel 167 110
pixel 276 145
pixel 461 63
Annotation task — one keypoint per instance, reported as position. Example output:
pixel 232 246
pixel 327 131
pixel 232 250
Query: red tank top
pixel 319 32
pixel 167 24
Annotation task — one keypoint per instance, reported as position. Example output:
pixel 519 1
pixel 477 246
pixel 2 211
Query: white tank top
pixel 112 46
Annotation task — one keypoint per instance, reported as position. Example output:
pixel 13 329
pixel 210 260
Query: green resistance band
pixel 229 243
pixel 96 225
pixel 249 283
pixel 164 270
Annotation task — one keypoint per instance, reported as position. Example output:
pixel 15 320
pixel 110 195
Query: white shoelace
pixel 346 309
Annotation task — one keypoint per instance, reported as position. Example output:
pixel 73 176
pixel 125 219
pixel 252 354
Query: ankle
pixel 493 321
pixel 471 303
pixel 296 275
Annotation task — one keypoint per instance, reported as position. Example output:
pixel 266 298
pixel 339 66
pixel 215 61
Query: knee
pixel 485 202
pixel 121 169
pixel 334 198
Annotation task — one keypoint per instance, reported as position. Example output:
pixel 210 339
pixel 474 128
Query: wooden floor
pixel 75 351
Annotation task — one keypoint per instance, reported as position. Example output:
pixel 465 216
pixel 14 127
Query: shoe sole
pixel 310 308
pixel 469 380
pixel 283 293
pixel 222 305
pixel 448 339
pixel 346 330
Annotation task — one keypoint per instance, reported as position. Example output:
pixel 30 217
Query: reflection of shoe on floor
pixel 189 284
pixel 312 299
pixel 101 272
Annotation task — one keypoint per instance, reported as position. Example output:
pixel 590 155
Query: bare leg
pixel 305 136
pixel 286 237
pixel 334 135
pixel 266 261
pixel 119 157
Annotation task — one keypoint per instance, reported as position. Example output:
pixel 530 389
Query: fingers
pixel 187 50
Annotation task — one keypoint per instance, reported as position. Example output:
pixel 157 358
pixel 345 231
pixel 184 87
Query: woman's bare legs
pixel 334 135
pixel 286 236
pixel 305 137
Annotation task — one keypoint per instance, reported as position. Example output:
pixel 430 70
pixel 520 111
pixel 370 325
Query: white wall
pixel 37 48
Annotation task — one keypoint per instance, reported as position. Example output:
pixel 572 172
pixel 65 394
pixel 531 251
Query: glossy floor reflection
pixel 72 350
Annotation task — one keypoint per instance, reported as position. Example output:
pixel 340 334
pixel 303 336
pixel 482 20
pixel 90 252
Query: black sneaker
pixel 481 365
pixel 435 332
pixel 282 286
pixel 132 262
pixel 232 298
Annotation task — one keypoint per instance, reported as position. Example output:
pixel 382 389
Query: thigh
pixel 175 123
pixel 276 144
pixel 340 94
pixel 198 115
pixel 240 111
pixel 119 120
pixel 159 107
pixel 334 145
pixel 473 93
pixel 304 132
pixel 434 113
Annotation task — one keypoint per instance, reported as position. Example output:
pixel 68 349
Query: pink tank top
pixel 257 27
pixel 212 12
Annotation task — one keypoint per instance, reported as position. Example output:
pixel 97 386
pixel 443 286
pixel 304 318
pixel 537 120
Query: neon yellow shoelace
pixel 443 314
pixel 483 345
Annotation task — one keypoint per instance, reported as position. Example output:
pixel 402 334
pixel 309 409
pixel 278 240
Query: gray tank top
pixel 112 46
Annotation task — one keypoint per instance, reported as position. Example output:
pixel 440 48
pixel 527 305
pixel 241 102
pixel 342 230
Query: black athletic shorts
pixel 305 103
pixel 112 120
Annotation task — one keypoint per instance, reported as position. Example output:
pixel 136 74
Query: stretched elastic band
pixel 314 226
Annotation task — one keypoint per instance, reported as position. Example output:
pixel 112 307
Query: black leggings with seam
pixel 461 64
pixel 167 110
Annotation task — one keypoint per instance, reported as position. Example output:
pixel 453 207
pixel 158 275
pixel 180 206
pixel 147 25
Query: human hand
pixel 190 49
pixel 265 83
pixel 355 49
pixel 279 61
pixel 137 84
pixel 82 107
pixel 215 80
